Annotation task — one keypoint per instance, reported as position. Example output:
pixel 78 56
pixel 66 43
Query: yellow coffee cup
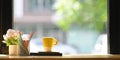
pixel 48 43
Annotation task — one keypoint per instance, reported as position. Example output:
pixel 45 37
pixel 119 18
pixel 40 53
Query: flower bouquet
pixel 24 44
pixel 11 37
pixel 16 42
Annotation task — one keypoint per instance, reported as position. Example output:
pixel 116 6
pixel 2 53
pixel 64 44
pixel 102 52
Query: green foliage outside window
pixel 86 13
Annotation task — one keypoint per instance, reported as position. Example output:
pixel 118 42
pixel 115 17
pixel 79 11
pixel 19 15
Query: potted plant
pixel 11 40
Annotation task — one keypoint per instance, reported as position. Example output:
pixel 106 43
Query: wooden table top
pixel 64 57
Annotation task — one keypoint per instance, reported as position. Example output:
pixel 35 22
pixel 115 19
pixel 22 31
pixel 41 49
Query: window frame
pixel 6 22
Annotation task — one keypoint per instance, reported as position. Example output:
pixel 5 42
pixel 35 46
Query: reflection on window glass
pixel 35 5
pixel 78 25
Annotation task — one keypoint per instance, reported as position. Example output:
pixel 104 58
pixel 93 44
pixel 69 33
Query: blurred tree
pixel 86 13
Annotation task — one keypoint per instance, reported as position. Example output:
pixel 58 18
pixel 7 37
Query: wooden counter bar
pixel 64 57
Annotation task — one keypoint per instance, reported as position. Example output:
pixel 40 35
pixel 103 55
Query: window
pixel 38 16
pixel 37 7
pixel 113 36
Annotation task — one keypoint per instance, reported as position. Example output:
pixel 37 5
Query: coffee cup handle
pixel 55 42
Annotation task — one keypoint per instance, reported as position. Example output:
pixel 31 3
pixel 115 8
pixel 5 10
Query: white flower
pixel 25 37
pixel 4 36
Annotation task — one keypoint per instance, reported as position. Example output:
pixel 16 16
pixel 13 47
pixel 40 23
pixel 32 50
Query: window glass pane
pixel 78 25
pixel 35 5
